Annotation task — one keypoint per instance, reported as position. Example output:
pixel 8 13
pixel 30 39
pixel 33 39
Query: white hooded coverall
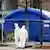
pixel 23 36
pixel 16 34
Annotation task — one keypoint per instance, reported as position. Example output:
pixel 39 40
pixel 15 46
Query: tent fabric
pixel 31 15
pixel 34 13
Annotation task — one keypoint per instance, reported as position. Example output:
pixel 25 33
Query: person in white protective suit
pixel 23 37
pixel 16 34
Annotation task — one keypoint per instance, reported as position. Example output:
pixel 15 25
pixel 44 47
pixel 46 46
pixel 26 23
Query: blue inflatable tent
pixel 21 17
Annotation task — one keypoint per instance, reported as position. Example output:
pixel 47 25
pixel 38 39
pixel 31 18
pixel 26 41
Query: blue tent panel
pixel 34 32
pixel 46 32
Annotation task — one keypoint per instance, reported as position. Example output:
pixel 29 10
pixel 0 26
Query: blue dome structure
pixel 20 16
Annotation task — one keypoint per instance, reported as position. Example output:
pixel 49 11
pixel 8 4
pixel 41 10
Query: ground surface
pixel 11 46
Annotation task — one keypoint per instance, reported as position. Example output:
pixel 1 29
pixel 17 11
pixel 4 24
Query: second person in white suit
pixel 23 37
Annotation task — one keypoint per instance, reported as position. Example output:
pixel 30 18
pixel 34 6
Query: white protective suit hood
pixel 16 25
pixel 23 27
